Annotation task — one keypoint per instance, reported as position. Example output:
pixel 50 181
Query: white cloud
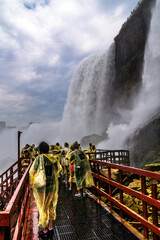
pixel 33 42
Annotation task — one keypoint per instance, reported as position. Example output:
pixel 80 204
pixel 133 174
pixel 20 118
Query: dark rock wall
pixel 129 54
pixel 144 144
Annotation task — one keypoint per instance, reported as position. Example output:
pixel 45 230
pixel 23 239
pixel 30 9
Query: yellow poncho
pixel 83 175
pixel 46 197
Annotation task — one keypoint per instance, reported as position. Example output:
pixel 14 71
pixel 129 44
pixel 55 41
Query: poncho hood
pixel 53 159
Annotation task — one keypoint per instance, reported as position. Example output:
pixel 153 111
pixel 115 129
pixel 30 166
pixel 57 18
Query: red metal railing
pixel 148 226
pixel 8 183
pixel 111 156
pixel 12 219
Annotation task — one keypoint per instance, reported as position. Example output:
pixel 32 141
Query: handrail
pixel 8 182
pixel 111 156
pixel 5 174
pixel 8 169
pixel 14 214
pixel 146 200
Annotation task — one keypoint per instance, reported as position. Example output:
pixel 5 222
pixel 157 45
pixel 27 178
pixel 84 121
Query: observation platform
pixel 79 218
pixel 85 218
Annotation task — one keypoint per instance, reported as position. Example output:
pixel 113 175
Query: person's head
pixel 93 147
pixel 90 144
pixel 72 147
pixel 76 145
pixel 51 147
pixel 43 147
pixel 27 145
pixel 66 145
pixel 57 144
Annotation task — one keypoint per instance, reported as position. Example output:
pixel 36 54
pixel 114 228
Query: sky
pixel 41 44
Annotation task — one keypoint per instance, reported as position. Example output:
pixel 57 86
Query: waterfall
pixel 88 110
pixel 89 105
pixel 151 74
pixel 147 102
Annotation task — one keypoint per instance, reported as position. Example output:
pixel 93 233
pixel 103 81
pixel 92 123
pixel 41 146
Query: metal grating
pixel 84 219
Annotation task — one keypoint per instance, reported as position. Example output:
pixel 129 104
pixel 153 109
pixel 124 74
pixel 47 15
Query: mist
pixel 8 148
pixel 88 109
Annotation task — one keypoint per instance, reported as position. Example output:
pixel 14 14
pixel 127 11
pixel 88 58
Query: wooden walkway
pixel 79 218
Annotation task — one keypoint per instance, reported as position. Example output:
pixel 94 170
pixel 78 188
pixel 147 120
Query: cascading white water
pixel 88 109
pixel 88 105
pixel 148 101
pixel 151 74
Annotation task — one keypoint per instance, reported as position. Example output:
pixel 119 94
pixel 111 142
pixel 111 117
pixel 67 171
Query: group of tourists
pixel 49 162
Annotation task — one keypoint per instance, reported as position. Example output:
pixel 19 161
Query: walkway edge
pixel 123 221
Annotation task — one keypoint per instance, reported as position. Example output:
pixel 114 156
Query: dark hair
pixel 66 144
pixel 43 147
pixel 57 144
pixel 75 145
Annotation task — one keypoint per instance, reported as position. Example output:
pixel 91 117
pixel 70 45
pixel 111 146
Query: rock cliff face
pixel 144 144
pixel 129 54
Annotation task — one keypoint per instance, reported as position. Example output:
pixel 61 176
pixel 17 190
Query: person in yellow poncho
pixel 89 150
pixel 93 151
pixel 25 155
pixel 71 167
pixel 46 197
pixel 64 162
pixel 82 170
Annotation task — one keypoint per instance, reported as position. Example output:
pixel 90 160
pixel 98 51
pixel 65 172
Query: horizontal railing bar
pixel 104 151
pixel 4 219
pixel 7 189
pixel 9 169
pixel 109 158
pixel 21 216
pixel 137 171
pixel 16 195
pixel 145 222
pixel 2 184
pixel 141 196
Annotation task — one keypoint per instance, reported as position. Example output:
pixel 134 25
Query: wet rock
pixel 94 139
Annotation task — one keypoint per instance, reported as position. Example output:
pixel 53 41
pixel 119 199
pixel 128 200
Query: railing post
pixel 6 180
pixel 120 191
pixel 11 174
pixel 98 172
pixel 155 210
pixel 1 190
pixel 144 204
pixel 4 233
pixel 110 189
pixel 19 160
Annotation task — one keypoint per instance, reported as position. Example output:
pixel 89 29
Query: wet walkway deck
pixel 84 218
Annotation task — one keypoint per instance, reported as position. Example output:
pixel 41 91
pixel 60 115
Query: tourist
pixel 46 197
pixel 93 155
pixel 82 170
pixel 71 167
pixel 89 150
pixel 25 156
pixel 65 162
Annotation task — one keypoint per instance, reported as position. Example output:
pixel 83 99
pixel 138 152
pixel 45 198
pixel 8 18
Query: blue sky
pixel 41 45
